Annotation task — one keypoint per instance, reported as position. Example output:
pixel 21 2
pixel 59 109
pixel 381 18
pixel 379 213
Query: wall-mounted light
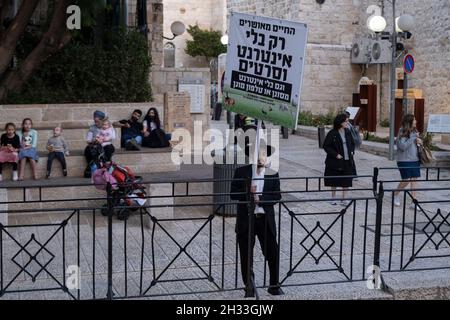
pixel 177 28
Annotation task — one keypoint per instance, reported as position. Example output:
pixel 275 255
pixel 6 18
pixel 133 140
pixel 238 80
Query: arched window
pixel 169 55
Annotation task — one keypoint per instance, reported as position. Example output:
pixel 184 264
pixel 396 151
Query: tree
pixel 53 39
pixel 204 43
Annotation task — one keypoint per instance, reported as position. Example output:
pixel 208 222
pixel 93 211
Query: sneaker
pixel 1 178
pixel 15 176
pixel 47 176
pixel 412 206
pixel 397 201
pixel 65 173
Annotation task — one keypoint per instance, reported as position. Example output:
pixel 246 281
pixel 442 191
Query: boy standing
pixel 57 148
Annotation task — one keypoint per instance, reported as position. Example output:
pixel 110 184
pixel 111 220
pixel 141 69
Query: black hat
pixel 269 149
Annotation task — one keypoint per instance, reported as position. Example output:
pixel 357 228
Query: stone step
pixel 144 161
pixel 75 137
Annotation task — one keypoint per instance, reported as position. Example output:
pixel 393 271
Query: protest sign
pixel 264 72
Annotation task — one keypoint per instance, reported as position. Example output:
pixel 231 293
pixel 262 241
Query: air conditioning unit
pixel 371 51
pixel 380 52
pixel 360 51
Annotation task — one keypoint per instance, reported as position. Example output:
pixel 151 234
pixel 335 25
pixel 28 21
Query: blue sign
pixel 408 64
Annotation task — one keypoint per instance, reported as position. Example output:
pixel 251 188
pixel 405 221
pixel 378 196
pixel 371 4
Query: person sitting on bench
pixel 154 136
pixel 131 131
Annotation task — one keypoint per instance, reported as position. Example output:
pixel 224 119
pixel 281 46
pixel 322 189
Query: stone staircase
pixel 75 120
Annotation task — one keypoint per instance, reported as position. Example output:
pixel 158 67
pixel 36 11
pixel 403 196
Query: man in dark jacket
pixel 265 192
pixel 131 131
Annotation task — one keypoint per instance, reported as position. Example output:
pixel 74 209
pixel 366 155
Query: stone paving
pixel 346 241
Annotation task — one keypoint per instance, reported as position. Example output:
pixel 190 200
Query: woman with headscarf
pixel 153 135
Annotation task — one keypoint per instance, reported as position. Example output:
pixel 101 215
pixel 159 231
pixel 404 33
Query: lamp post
pixel 401 26
pixel 224 41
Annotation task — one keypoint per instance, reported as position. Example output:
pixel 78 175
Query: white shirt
pixel 259 187
pixel 152 126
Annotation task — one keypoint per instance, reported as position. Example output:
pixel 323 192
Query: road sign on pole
pixel 408 63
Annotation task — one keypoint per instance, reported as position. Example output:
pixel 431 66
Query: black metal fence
pixel 180 243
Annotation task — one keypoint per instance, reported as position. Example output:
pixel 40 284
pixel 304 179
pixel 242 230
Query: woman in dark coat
pixel 340 148
pixel 153 135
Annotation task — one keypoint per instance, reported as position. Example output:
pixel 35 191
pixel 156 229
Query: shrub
pixel 307 118
pixel 384 123
pixel 114 70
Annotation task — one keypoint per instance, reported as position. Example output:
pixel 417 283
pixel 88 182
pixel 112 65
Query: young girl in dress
pixel 105 138
pixel 28 148
pixel 9 148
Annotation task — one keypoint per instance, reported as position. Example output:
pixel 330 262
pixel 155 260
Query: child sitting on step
pixel 9 148
pixel 57 148
pixel 28 148
pixel 105 137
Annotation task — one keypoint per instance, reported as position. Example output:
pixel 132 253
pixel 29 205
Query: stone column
pixel 155 20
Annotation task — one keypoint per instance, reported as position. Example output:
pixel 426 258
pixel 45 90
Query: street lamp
pixel 401 27
pixel 377 24
pixel 224 39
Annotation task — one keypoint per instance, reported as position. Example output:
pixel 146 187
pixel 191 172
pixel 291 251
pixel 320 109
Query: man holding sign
pixel 263 79
pixel 264 191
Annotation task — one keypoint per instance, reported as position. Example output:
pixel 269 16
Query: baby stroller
pixel 128 194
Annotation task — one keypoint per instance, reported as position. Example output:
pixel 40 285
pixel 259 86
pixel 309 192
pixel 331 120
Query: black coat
pixel 271 194
pixel 333 145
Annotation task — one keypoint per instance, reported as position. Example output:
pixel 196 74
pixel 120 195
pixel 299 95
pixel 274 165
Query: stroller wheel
pixel 123 214
pixel 105 210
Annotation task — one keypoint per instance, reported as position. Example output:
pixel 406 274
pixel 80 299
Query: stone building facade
pixel 208 14
pixel 330 78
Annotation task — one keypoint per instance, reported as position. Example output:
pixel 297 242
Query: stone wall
pixel 70 115
pixel 166 80
pixel 430 46
pixel 208 14
pixel 330 78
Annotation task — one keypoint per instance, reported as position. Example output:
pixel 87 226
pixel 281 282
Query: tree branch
pixel 3 7
pixel 9 41
pixel 56 37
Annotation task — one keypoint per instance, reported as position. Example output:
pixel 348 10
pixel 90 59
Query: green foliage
pixel 374 138
pixel 307 118
pixel 384 123
pixel 205 43
pixel 117 71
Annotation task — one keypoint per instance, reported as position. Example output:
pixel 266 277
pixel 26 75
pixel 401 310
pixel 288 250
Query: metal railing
pixel 195 250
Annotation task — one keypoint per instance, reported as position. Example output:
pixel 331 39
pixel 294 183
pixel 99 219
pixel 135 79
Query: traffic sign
pixel 408 63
